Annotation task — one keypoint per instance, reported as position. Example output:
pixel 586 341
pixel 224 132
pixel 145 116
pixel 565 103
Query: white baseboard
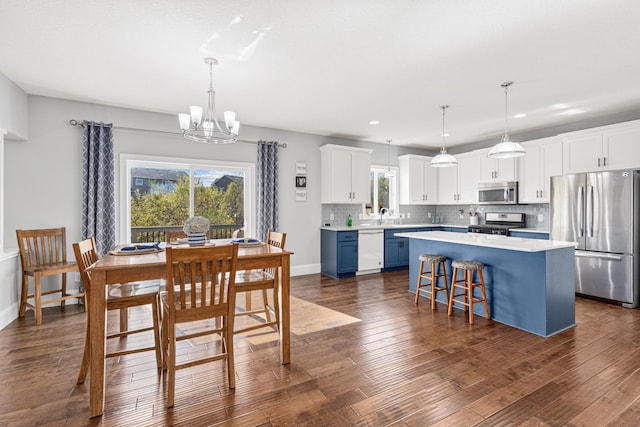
pixel 8 315
pixel 301 270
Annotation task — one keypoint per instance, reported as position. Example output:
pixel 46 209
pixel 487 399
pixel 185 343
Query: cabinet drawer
pixel 347 236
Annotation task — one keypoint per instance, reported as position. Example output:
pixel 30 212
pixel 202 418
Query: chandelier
pixel 444 159
pixel 506 148
pixel 206 129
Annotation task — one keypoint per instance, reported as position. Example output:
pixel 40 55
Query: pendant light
pixel 443 160
pixel 388 173
pixel 506 148
pixel 207 129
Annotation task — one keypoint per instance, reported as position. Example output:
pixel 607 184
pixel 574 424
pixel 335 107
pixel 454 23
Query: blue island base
pixel 532 291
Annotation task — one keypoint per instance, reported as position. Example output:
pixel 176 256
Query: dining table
pixel 116 268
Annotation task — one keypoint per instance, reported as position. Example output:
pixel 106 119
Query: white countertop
pixel 385 226
pixel 490 241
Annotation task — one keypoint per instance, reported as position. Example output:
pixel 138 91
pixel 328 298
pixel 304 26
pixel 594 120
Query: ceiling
pixel 329 67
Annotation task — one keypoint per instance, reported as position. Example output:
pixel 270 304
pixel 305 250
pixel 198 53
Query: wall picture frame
pixel 301 168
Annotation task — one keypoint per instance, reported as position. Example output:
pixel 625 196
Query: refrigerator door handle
pixel 610 257
pixel 590 211
pixel 580 209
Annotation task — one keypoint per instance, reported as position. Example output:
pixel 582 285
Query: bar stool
pixel 432 276
pixel 467 285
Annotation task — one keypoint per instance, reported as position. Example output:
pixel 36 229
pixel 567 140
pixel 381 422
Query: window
pixel 173 190
pixel 384 191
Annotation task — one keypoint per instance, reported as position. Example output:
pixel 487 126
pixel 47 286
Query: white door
pixel 581 154
pixel 448 185
pixel 360 177
pixel 341 177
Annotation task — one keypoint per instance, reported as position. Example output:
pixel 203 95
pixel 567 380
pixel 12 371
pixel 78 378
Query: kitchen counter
pixel 387 226
pixel 490 241
pixel 530 283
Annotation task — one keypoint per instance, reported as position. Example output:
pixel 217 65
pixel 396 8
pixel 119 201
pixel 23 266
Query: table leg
pixel 285 319
pixel 97 316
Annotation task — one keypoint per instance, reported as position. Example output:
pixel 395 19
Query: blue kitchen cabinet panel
pixel 396 249
pixel 541 236
pixel 339 253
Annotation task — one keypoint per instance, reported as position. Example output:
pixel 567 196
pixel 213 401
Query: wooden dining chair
pixel 200 286
pixel 248 281
pixel 43 253
pixel 119 297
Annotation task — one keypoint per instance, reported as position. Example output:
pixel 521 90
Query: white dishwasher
pixel 370 250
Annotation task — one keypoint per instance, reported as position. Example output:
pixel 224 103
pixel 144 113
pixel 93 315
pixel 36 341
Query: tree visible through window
pixel 383 191
pixel 164 197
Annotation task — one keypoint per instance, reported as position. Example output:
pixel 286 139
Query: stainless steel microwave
pixel 498 193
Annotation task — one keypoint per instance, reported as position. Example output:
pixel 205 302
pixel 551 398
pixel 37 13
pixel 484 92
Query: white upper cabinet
pixel 496 169
pixel 535 169
pixel 345 174
pixel 418 180
pixel 604 148
pixel 457 185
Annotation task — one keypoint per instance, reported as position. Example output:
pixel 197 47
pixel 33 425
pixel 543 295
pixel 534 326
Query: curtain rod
pixel 74 122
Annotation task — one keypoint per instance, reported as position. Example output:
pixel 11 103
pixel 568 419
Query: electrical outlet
pixel 408 215
pixel 540 218
pixel 331 217
pixel 428 214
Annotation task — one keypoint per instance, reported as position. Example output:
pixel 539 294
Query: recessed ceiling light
pixel 374 122
pixel 519 115
pixel 445 134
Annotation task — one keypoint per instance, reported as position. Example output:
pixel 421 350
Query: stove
pixel 499 223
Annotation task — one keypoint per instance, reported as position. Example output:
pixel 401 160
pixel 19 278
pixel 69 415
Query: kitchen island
pixel 529 282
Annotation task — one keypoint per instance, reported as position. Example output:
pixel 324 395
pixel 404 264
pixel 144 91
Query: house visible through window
pixel 164 194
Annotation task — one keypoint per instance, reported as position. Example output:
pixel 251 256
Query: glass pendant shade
pixel 444 159
pixel 203 126
pixel 506 148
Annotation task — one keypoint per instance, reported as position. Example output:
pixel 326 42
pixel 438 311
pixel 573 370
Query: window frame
pixel 128 161
pixel 394 197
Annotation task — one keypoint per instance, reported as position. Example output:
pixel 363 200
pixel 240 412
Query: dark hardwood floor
pixel 400 365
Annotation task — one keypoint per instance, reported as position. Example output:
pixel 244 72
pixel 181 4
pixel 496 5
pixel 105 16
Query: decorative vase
pixel 196 239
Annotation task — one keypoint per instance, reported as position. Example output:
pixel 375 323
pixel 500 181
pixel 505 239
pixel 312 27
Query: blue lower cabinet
pixel 339 253
pixel 396 252
pixel 396 249
pixel 459 229
pixel 525 235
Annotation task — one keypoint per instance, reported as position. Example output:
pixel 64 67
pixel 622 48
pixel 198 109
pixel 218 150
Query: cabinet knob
pixel 598 161
pixel 604 161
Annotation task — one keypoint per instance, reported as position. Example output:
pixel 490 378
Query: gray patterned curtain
pixel 98 185
pixel 267 171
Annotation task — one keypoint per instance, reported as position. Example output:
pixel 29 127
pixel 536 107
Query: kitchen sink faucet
pixel 382 212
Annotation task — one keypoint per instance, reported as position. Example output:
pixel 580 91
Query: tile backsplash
pixel 537 215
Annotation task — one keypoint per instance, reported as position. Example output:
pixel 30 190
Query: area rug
pixel 306 318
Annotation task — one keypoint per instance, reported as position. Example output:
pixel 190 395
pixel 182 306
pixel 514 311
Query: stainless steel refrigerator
pixel 600 211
